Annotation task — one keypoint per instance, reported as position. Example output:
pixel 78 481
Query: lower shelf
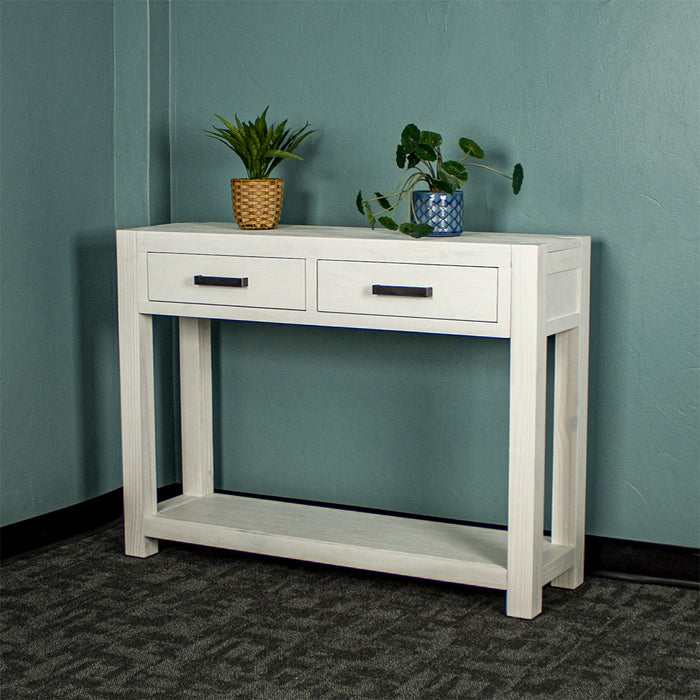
pixel 422 548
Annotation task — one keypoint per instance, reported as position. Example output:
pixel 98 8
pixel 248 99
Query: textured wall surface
pixel 77 158
pixel 598 100
pixel 59 388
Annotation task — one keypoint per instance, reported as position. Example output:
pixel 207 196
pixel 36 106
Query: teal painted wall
pixel 77 158
pixel 598 100
pixel 58 332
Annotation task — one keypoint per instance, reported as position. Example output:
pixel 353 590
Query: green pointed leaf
pixel 277 133
pixel 260 125
pixel 228 125
pixel 389 223
pixel 254 141
pixel 416 230
pixel 400 156
pixel 517 178
pixel 430 138
pixel 426 153
pixel 383 201
pixel 274 153
pixel 470 148
pixel 260 146
pixel 358 203
pixel 293 140
pixel 410 138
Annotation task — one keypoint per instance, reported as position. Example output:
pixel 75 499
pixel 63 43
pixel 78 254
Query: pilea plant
pixel 419 156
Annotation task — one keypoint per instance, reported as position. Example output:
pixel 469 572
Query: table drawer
pixel 454 292
pixel 227 280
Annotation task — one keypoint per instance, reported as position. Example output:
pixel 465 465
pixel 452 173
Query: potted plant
pixel 257 199
pixel 438 210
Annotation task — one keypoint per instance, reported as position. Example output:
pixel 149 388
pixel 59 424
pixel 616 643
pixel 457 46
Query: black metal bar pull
pixel 393 291
pixel 205 281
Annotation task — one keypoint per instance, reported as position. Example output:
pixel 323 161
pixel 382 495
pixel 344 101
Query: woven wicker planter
pixel 257 204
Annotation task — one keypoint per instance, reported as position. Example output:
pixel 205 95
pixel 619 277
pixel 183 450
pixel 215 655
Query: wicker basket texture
pixel 257 204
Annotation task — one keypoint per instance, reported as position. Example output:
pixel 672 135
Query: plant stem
pixel 486 167
pixel 401 189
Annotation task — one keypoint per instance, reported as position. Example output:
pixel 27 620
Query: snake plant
pixel 261 147
pixel 419 156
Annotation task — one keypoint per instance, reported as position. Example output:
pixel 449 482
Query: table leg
pixel 196 407
pixel 137 404
pixel 570 430
pixel 528 377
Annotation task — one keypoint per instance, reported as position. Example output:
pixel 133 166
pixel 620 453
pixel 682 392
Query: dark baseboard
pixel 67 523
pixel 642 561
pixel 605 556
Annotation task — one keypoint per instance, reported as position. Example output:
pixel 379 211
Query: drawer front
pixel 227 280
pixel 450 292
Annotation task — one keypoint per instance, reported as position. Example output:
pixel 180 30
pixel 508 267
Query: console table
pixel 516 286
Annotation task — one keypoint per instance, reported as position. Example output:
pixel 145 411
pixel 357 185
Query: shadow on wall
pixel 488 196
pixel 298 204
pixel 594 399
pixel 98 370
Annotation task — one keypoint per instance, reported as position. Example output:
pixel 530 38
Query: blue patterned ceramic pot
pixel 440 210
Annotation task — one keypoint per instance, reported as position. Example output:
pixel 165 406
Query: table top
pixel 552 242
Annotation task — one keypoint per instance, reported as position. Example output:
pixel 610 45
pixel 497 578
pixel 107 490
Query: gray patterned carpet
pixel 80 620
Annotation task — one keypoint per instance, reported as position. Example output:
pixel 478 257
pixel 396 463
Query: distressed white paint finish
pixel 137 403
pixel 169 261
pixel 273 283
pixel 541 288
pixel 561 324
pixel 412 546
pixel 528 375
pixel 457 292
pixel 562 260
pixel 562 290
pixel 215 238
pixel 570 431
pixel 196 407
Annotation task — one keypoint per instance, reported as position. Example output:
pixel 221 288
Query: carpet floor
pixel 81 620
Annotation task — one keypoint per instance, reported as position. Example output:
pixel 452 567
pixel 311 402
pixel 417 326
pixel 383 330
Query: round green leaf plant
pixel 261 147
pixel 419 156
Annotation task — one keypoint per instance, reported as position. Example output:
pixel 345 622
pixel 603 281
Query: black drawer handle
pixel 205 281
pixel 389 291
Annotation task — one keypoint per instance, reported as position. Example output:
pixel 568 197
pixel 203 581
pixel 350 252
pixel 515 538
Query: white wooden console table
pixel 515 286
